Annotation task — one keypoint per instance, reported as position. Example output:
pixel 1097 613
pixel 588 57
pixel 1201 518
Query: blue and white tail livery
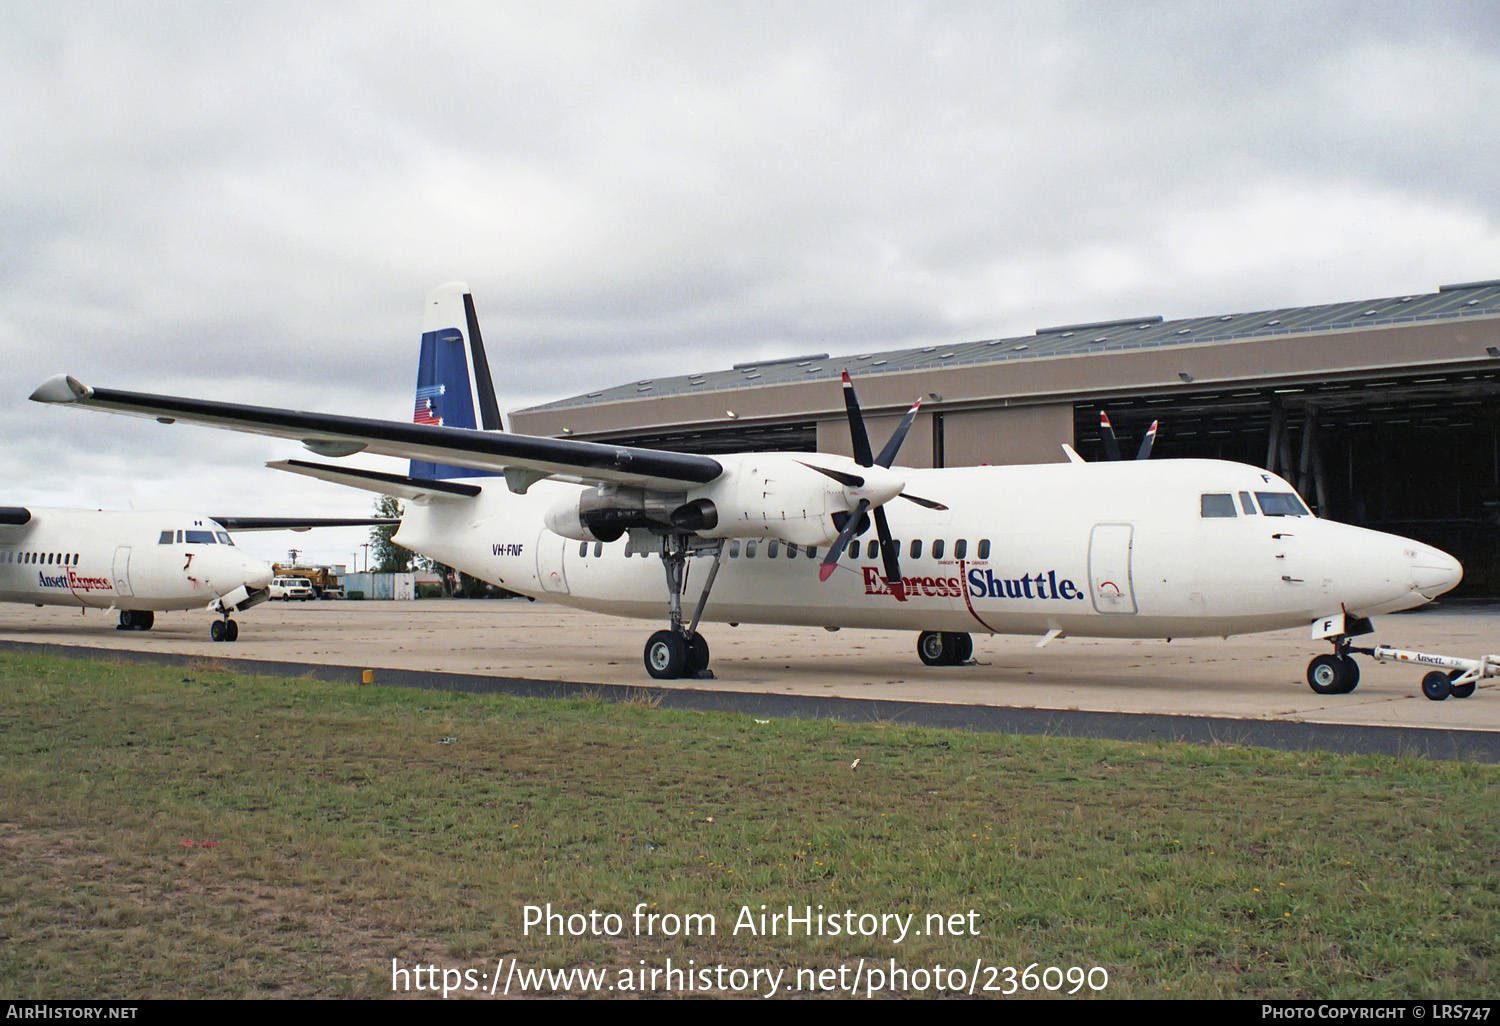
pixel 453 375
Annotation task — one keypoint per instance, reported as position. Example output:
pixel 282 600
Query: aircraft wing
pixel 298 523
pixel 528 457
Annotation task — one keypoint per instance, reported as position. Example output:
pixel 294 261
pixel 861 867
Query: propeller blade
pixel 929 503
pixel 1147 442
pixel 857 433
pixel 847 480
pixel 851 528
pixel 1111 446
pixel 888 555
pixel 888 454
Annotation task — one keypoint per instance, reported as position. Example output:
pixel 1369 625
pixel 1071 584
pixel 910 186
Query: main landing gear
pixel 136 620
pixel 944 648
pixel 681 651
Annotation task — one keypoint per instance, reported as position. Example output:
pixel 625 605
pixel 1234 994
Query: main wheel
pixel 963 648
pixel 935 648
pixel 1459 690
pixel 1329 675
pixel 697 653
pixel 231 630
pixel 666 655
pixel 216 630
pixel 1436 686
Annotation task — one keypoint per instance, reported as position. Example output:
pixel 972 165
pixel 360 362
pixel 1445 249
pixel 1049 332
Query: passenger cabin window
pixel 1281 504
pixel 984 548
pixel 1247 504
pixel 854 549
pixel 750 549
pixel 583 548
pixel 960 548
pixel 937 549
pixel 773 548
pixel 734 550
pixel 874 549
pixel 1218 506
pixel 791 550
pixel 916 548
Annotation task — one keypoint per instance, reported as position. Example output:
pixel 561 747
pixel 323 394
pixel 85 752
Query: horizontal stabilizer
pixel 399 485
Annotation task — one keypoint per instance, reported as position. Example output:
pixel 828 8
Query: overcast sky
pixel 249 202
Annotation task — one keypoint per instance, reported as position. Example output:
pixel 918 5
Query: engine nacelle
pixel 596 515
pixel 771 495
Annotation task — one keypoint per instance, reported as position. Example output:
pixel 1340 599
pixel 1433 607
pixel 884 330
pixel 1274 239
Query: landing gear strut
pixel 225 629
pixel 136 620
pixel 944 648
pixel 681 651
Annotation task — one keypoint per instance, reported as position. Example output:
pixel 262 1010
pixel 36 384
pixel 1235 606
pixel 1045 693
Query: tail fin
pixel 453 356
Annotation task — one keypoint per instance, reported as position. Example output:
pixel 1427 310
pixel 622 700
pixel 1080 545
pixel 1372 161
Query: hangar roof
pixel 1450 302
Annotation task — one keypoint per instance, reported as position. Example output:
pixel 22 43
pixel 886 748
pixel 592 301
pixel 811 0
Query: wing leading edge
pixel 334 435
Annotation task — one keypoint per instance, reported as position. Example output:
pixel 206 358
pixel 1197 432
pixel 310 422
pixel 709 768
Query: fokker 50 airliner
pixel 1137 549
pixel 139 563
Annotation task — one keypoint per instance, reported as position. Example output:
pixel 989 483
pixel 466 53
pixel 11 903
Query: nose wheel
pixel 1333 674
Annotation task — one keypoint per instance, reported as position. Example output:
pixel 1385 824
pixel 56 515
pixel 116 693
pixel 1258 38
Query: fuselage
pixel 123 560
pixel 1161 548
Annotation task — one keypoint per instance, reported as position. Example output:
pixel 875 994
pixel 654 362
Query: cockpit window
pixel 1247 504
pixel 200 537
pixel 1218 506
pixel 1281 504
pixel 223 537
pixel 166 538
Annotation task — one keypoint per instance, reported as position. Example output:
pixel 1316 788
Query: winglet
pixel 61 388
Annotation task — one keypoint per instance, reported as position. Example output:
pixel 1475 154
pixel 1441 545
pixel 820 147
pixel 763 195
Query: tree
pixel 390 558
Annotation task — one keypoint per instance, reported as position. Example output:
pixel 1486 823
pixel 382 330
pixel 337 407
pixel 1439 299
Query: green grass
pixel 347 835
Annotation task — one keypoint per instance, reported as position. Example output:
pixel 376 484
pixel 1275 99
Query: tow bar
pixel 1462 677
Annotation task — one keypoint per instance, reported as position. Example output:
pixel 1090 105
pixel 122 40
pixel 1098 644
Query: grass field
pixel 353 825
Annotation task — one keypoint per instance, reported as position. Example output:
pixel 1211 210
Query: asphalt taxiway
pixel 1245 688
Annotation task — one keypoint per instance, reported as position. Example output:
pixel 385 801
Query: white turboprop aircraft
pixel 1138 549
pixel 139 563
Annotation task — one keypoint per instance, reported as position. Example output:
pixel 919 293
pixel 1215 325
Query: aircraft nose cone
pixel 1433 571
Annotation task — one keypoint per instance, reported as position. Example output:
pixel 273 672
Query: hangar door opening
pixel 1417 456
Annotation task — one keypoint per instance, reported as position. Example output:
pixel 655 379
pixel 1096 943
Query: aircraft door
pixel 121 575
pixel 550 550
pixel 1110 583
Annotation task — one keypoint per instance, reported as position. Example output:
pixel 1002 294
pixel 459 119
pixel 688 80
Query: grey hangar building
pixel 1384 413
